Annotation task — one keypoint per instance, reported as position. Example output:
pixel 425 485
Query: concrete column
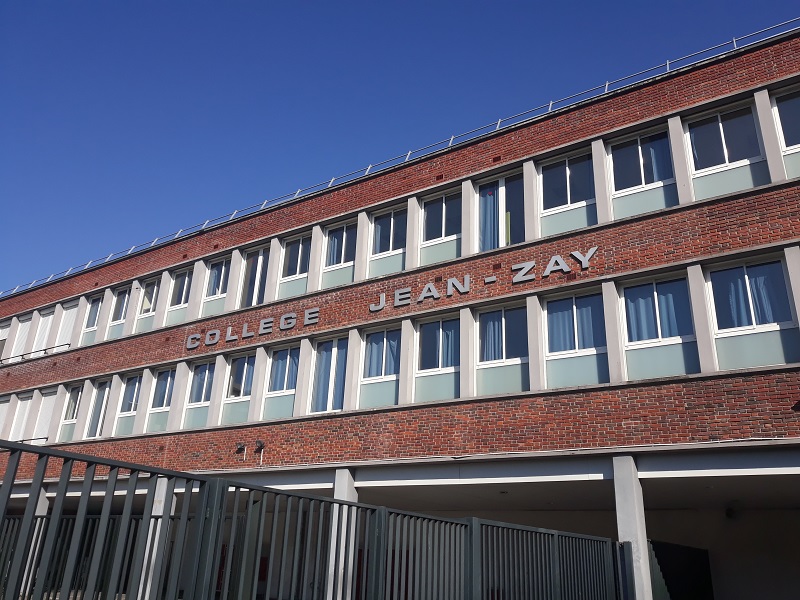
pixel 196 293
pixel 12 334
pixel 113 402
pixel 769 136
pixel 33 414
pixel 792 257
pixel 133 308
pixel 405 391
pixel 536 364
pixel 58 414
pixel 87 397
pixel 36 319
pixel 218 390
pixel 305 378
pixel 361 263
pixel 681 165
pixel 179 395
pixel 469 218
pixel 273 270
pixel 602 184
pixel 703 329
pixel 352 378
pixel 413 232
pixel 530 186
pixel 80 322
pixel 259 385
pixel 58 313
pixel 105 315
pixel 469 354
pixel 234 280
pixel 343 489
pixel 145 398
pixel 631 522
pixel 614 340
pixel 162 301
pixel 317 259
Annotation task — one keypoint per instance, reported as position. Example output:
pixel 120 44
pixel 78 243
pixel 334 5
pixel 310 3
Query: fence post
pixel 378 544
pixel 625 571
pixel 555 568
pixel 211 523
pixel 473 557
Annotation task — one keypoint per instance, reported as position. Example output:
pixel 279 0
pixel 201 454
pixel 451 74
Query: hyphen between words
pixel 523 272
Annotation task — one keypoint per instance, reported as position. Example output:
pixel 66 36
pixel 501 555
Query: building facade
pixel 587 321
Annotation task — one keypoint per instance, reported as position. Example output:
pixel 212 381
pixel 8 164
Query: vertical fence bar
pixel 80 520
pixel 105 514
pixel 376 579
pixel 176 560
pixel 210 527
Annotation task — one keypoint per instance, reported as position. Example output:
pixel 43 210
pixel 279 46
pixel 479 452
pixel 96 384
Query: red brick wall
pixel 686 233
pixel 719 408
pixel 668 95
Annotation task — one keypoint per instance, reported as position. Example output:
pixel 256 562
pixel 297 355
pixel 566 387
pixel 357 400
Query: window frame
pixel 103 409
pixel 501 207
pixel 224 280
pixel 262 267
pixel 227 398
pixel 187 288
pixel 546 330
pixel 518 360
pixel 86 327
pixel 392 251
pixel 544 212
pixel 168 397
pixel 660 340
pixel 207 389
pixel 343 263
pixel 753 327
pixel 439 370
pixel 73 420
pixel 382 377
pixel 643 186
pixel 286 390
pixel 785 149
pixel 127 292
pixel 727 164
pixel 156 282
pixel 423 243
pixel 136 399
pixel 331 374
pixel 300 258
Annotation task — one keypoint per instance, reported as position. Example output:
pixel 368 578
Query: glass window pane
pixel 434 218
pixel 338 376
pixel 489 215
pixel 382 226
pixel 515 210
pixel 640 313
pixel 262 277
pixel 72 404
pixel 789 113
pixel 198 383
pixel 768 291
pixel 730 298
pixel 373 360
pixel 163 394
pixel 399 232
pixel 149 297
pixel 560 326
pixel 250 274
pixel 627 171
pixel 741 140
pixel 657 158
pixel 216 274
pixel 130 397
pixel 291 258
pixel 250 364
pixel 236 382
pixel 516 333
pixel 674 310
pixel 322 377
pixel 554 185
pixel 335 245
pixel 706 143
pixel 451 343
pixel 294 362
pixel 452 215
pixel 490 333
pixel 429 346
pixel 581 179
pixel 120 306
pixel 392 352
pixel 305 254
pixel 591 323
pixel 94 312
pixel 277 376
pixel 350 243
pixel 97 409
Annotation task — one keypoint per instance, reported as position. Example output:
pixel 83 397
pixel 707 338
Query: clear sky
pixel 122 121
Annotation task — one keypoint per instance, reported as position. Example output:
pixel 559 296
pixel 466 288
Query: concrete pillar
pixel 765 121
pixel 58 313
pixel 405 391
pixel 179 394
pixel 614 340
pixel 352 379
pixel 218 391
pixel 316 260
pixel 58 414
pixel 792 257
pixel 133 308
pixel 259 385
pixel 536 364
pixel 87 399
pixel 196 293
pixel 105 315
pixel 80 322
pixel 109 421
pixel 162 300
pixel 12 334
pixel 305 378
pixel 530 186
pixel 681 165
pixel 273 270
pixel 343 489
pixel 469 218
pixel 469 354
pixel 631 522
pixel 701 315
pixel 145 399
pixel 602 182
pixel 234 280
pixel 413 233
pixel 361 263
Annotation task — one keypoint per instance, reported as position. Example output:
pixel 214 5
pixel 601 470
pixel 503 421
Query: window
pixel 389 231
pixel 4 329
pixel 723 139
pixel 165 382
pixel 98 410
pixel 129 405
pixel 20 338
pixel 382 356
pixel 149 297
pixel 641 161
pixel 21 416
pixel 42 332
pixel 218 272
pixel 120 308
pixel 658 310
pixel 788 108
pixel 341 245
pixel 439 344
pixel 202 382
pixel 750 296
pixel 283 371
pixel 503 334
pixel 255 277
pixel 567 183
pixel 93 313
pixel 181 288
pixel 296 254
pixel 329 372
pixel 70 414
pixel 575 324
pixel 240 382
pixel 68 317
pixel 441 218
pixel 501 212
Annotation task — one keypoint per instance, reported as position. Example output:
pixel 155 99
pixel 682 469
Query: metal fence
pixel 78 527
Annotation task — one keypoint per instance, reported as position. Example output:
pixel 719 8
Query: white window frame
pixel 206 387
pixel 126 305
pixel 151 410
pixel 155 281
pixel 442 238
pixel 228 400
pixel 477 339
pixel 348 226
pixel 391 251
pixel 261 268
pixel 269 393
pixel 103 409
pixel 726 165
pixel 300 257
pixel 5 329
pixel 187 289
pixel 41 440
pixel 546 330
pixel 225 279
pixel 643 186
pixel 777 116
pixel 753 327
pixel 136 399
pixel 86 327
pixel 73 420
pixel 543 212
pixel 332 374
pixel 383 376
pixel 27 399
pixel 419 372
pixel 501 203
pixel 657 341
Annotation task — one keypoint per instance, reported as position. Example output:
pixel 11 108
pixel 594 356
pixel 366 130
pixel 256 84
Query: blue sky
pixel 123 121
